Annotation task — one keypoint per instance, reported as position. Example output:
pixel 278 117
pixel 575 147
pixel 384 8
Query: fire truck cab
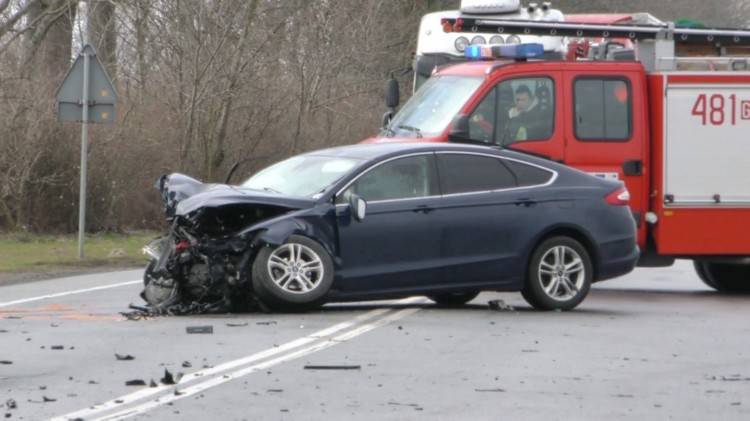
pixel 675 135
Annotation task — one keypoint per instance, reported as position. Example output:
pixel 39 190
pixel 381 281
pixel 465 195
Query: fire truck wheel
pixel 727 277
pixel 559 275
pixel 700 270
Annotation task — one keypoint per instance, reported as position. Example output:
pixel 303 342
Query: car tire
pixel 294 276
pixel 455 299
pixel 700 270
pixel 559 275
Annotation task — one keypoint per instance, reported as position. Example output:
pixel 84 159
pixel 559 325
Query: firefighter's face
pixel 523 100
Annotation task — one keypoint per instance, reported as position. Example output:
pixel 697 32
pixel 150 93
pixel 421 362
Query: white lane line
pixel 62 294
pixel 220 374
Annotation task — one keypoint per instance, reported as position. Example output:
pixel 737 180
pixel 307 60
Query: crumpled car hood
pixel 183 194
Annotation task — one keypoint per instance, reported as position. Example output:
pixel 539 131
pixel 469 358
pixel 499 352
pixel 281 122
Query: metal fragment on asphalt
pixel 200 329
pixel 333 367
pixel 124 357
pixel 499 305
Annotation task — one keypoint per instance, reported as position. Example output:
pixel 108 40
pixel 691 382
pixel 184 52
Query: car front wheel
pixel 293 276
pixel 559 275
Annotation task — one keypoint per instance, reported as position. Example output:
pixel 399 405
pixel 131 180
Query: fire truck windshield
pixel 432 107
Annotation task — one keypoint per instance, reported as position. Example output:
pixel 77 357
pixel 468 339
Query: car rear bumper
pixel 618 264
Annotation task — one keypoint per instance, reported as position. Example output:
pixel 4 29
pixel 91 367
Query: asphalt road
pixel 655 344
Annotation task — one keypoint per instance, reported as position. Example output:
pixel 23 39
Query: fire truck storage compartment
pixel 707 145
pixel 705 197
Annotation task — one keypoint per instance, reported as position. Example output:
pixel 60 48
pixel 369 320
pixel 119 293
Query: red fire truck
pixel 678 135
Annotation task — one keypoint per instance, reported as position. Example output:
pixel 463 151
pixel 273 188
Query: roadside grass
pixel 23 252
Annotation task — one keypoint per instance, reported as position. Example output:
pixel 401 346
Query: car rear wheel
pixel 725 277
pixel 293 276
pixel 455 299
pixel 559 275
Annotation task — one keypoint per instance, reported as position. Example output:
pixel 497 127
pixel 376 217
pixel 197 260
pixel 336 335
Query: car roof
pixel 374 151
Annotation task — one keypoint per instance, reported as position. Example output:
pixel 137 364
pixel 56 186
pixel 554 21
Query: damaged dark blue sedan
pixel 381 221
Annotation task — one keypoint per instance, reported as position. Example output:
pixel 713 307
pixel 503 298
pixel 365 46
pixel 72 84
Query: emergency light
pixel 513 51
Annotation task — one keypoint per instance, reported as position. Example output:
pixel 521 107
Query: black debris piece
pixel 200 329
pixel 6 362
pixel 731 378
pixel 93 382
pixel 194 307
pixel 136 382
pixel 153 383
pixel 333 367
pixel 275 390
pixel 124 357
pixel 57 347
pixel 168 378
pixel 236 324
pixel 186 364
pixel 46 399
pixel 499 305
pixel 403 404
pixel 272 322
pixel 11 404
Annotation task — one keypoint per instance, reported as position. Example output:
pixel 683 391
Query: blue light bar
pixel 513 51
pixel 529 50
pixel 476 51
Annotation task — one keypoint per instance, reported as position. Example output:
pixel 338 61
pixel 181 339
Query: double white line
pixel 192 383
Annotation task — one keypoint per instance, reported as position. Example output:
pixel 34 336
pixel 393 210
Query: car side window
pixel 466 173
pixel 528 175
pixel 402 178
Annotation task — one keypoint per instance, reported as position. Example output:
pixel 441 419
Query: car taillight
pixel 619 197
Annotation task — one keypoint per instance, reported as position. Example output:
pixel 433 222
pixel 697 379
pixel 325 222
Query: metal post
pixel 84 156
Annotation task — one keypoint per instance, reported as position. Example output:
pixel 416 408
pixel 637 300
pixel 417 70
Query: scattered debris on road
pixel 731 378
pixel 124 357
pixel 200 329
pixel 499 305
pixel 136 382
pixel 333 367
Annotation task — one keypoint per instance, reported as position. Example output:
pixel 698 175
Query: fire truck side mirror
pixel 387 117
pixel 459 129
pixel 391 93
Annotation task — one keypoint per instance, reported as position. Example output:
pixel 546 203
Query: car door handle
pixel 525 202
pixel 423 208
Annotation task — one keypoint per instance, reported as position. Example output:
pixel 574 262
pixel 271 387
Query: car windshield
pixel 303 176
pixel 433 106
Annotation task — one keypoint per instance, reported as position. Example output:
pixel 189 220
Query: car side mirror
pixel 358 207
pixel 459 129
